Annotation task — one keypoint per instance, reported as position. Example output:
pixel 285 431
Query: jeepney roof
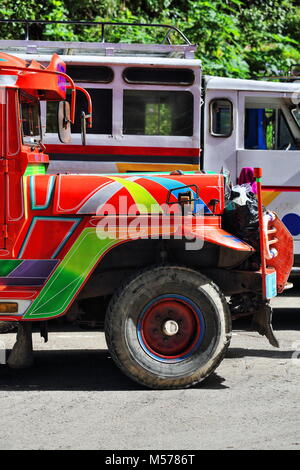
pixel 174 55
pixel 223 83
pixel 108 60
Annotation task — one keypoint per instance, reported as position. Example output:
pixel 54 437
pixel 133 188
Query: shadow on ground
pixel 283 319
pixel 94 370
pixel 236 353
pixel 90 370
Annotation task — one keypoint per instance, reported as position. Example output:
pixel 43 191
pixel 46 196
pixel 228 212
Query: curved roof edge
pixel 222 83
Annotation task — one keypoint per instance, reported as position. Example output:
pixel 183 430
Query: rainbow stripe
pixel 70 274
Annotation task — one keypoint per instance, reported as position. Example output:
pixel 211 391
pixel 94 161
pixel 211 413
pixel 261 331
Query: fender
pixel 85 254
pixel 68 276
pixel 215 234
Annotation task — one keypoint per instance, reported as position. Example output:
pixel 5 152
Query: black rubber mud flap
pixel 262 323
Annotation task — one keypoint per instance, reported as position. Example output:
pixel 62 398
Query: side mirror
pixel 63 121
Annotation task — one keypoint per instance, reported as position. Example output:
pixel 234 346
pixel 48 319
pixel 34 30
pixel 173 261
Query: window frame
pixel 212 101
pixel 90 80
pixel 90 86
pixel 30 99
pixel 277 108
pixel 294 117
pixel 279 117
pixel 158 90
pixel 117 137
pixel 162 83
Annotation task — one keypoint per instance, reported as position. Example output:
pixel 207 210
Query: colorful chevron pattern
pixel 59 246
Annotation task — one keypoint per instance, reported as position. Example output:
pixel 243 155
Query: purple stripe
pixel 34 268
pixel 22 281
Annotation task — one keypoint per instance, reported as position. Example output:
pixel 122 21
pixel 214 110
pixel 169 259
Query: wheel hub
pixel 169 327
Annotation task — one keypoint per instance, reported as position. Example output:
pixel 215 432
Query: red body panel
pixel 70 149
pixel 284 261
pixel 73 191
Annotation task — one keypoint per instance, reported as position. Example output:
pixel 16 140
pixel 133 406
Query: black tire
pixel 169 357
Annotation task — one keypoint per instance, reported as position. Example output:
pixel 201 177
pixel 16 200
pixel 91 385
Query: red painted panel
pixel 122 202
pixel 2 186
pixel 122 150
pixel 283 262
pixel 44 238
pixel 282 188
pixel 13 123
pixel 73 190
pixel 2 164
pixel 41 189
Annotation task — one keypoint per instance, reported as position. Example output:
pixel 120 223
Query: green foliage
pixel 237 38
pixel 215 28
pixel 269 46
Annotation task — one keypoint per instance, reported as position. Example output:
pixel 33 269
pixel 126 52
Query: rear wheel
pixel 169 327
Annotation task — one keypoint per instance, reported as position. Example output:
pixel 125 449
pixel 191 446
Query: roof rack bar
pixel 102 24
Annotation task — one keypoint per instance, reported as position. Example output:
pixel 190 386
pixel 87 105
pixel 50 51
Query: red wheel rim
pixel 170 327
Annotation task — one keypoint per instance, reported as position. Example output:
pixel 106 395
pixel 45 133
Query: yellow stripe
pixel 144 201
pixel 125 167
pixel 269 196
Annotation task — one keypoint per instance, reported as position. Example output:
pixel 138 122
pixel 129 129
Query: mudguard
pixel 282 241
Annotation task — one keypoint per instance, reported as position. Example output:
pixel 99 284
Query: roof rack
pixel 102 25
pixel 164 49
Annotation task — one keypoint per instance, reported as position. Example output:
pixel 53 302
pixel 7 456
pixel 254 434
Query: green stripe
pixel 70 274
pixel 8 265
pixel 35 169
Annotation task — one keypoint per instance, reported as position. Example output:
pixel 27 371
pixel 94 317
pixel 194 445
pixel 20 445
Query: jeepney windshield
pixel 30 118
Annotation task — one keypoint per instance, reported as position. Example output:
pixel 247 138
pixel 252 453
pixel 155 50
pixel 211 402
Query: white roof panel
pixel 114 60
pixel 222 83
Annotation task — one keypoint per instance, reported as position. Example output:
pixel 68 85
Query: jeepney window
pixel 296 114
pixel 159 76
pixel 90 73
pixel 102 115
pixel 30 118
pixel 149 112
pixel 221 122
pixel 267 129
